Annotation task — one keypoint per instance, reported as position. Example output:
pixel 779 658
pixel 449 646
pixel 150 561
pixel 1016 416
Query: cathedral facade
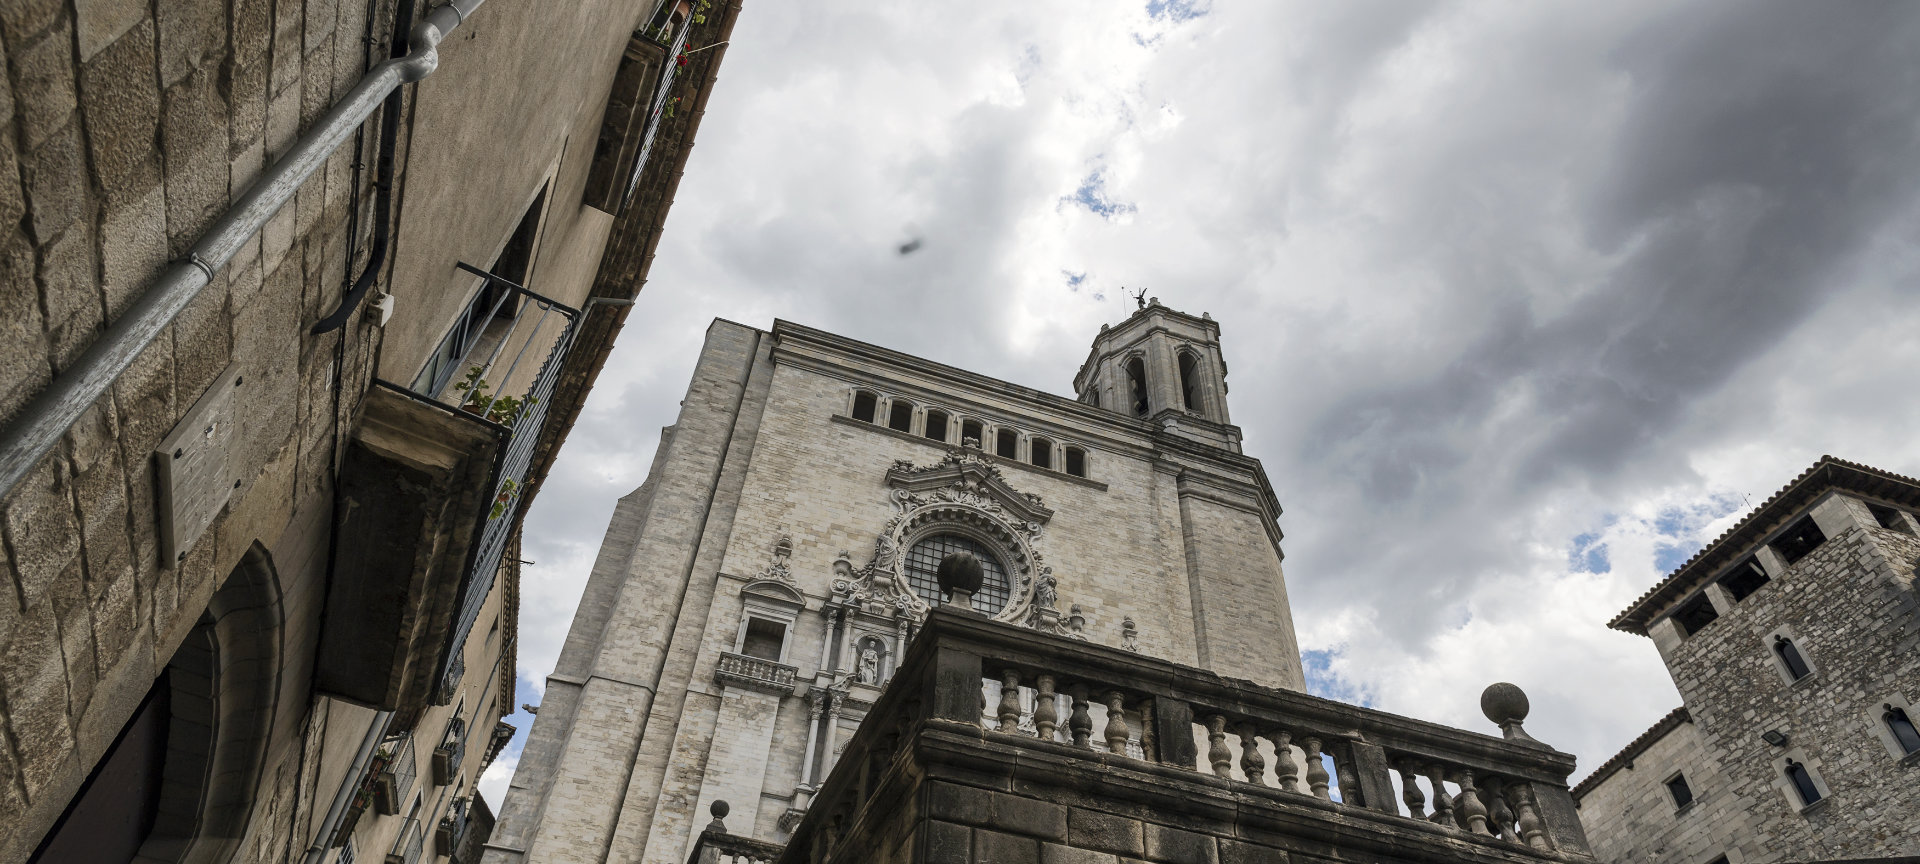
pixel 756 593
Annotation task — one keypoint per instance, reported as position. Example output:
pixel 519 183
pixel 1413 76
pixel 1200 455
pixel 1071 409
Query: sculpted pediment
pixel 965 477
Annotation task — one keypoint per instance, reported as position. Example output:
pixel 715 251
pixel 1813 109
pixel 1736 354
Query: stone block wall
pixel 1631 817
pixel 128 127
pixel 1853 610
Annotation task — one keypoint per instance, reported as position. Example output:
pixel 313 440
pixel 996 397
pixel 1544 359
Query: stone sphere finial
pixel 1506 705
pixel 960 571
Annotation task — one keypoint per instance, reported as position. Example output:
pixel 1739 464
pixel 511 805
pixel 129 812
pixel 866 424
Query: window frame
pixel 1679 777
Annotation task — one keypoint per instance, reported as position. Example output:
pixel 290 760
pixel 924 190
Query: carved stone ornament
pixel 780 570
pixel 966 492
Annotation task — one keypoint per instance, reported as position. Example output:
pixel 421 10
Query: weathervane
pixel 1139 299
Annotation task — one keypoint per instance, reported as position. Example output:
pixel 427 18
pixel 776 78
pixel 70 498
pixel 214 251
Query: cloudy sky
pixel 1523 301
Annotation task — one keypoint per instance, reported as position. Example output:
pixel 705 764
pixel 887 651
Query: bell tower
pixel 1164 367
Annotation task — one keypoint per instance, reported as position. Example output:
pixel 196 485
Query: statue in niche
pixel 869 665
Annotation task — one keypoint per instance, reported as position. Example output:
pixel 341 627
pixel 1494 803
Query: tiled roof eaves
pixel 1627 754
pixel 1828 473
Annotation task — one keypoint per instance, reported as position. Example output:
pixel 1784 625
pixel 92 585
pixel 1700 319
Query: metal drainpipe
pixel 344 797
pixel 43 422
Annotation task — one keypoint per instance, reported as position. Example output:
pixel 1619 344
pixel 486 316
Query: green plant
pixel 503 499
pixel 499 409
pixel 700 13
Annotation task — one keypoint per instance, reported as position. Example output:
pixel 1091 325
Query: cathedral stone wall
pixel 638 732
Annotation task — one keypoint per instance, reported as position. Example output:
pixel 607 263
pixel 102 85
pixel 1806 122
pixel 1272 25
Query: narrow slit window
pixel 863 406
pixel 1802 783
pixel 1789 655
pixel 1042 455
pixel 1093 398
pixel 1076 462
pixel 1137 385
pixel 1745 578
pixel 1681 792
pixel 1189 380
pixel 900 418
pixel 1902 728
pixel 971 434
pixel 764 639
pixel 937 425
pixel 1801 538
pixel 1695 614
pixel 1006 443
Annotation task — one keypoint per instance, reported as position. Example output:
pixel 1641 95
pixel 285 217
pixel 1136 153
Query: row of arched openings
pixel 939 426
pixel 1136 369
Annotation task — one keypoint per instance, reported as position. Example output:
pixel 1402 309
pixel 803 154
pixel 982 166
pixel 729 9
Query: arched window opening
pixel 923 562
pixel 1137 385
pixel 1797 667
pixel 971 434
pixel 1076 462
pixel 863 406
pixel 1006 443
pixel 1190 380
pixel 1093 398
pixel 900 418
pixel 937 425
pixel 1902 728
pixel 179 782
pixel 1800 539
pixel 1042 453
pixel 1802 783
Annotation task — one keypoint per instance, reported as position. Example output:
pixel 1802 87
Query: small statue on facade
pixel 1129 634
pixel 869 665
pixel 1076 623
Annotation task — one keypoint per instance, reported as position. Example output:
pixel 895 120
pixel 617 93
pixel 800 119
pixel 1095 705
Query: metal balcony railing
pixel 390 786
pixel 499 338
pixel 412 842
pixel 658 111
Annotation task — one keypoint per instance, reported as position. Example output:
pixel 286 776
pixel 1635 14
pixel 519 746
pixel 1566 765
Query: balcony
pixel 429 492
pixel 754 673
pixel 640 100
pixel 447 756
pixel 392 783
pixel 464 830
pixel 1028 743
pixel 407 849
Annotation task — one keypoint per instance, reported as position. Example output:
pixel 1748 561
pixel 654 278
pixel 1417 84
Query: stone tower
pixel 1794 640
pixel 754 595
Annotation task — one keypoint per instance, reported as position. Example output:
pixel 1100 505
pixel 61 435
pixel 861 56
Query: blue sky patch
pixel 1092 195
pixel 1176 11
pixel 1322 681
pixel 1589 555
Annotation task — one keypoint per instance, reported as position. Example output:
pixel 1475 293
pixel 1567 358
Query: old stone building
pixel 300 298
pixel 1794 640
pixel 765 634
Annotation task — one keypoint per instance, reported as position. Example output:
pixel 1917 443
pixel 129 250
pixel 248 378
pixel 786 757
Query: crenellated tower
pixel 1163 366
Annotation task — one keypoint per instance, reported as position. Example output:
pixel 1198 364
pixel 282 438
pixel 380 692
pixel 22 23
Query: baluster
pixel 1116 731
pixel 1472 811
pixel 1349 778
pixel 1217 753
pixel 1410 789
pixel 1287 770
pixel 1531 831
pixel 1010 701
pixel 1046 712
pixel 1442 799
pixel 1316 769
pixel 1251 762
pixel 1080 723
pixel 1499 816
pixel 1149 748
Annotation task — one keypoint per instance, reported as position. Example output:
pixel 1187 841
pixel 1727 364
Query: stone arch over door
pixel 225 680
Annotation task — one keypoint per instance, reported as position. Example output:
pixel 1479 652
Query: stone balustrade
pixel 1061 724
pixel 716 846
pixel 755 673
